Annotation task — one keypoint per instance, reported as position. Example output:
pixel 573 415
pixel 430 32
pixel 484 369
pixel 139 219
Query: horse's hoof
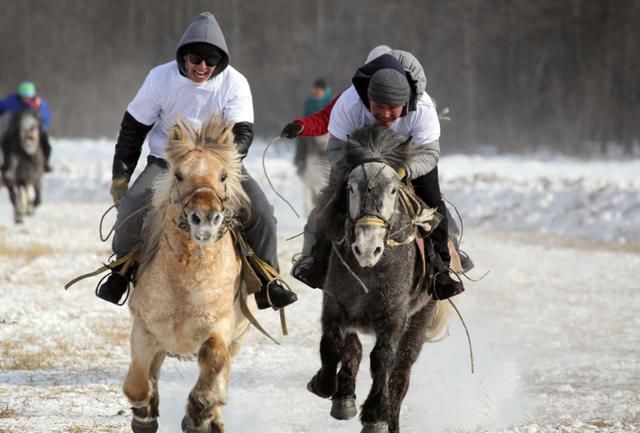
pixel 379 427
pixel 188 427
pixel 139 426
pixel 313 387
pixel 344 408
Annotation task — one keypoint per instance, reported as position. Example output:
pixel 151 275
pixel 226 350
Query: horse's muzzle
pixel 205 225
pixel 368 244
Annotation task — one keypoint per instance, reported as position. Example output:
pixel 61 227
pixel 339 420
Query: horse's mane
pixel 216 137
pixel 367 144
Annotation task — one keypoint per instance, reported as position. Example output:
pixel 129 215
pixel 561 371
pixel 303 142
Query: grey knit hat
pixel 389 87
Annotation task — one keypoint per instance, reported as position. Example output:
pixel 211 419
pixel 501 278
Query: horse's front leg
pixel 323 384
pixel 344 399
pixel 375 410
pixel 141 384
pixel 406 355
pixel 204 413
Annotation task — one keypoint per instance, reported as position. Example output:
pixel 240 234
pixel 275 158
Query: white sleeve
pixel 145 107
pixel 426 126
pixel 239 104
pixel 341 122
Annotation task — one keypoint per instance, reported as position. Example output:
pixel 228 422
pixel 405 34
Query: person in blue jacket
pixel 27 98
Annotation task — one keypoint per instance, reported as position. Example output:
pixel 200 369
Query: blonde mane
pixel 217 139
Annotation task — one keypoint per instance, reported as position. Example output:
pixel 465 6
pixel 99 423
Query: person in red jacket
pixel 316 124
pixel 306 269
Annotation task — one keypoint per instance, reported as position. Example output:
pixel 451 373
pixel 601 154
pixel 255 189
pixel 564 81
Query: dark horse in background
pixel 376 281
pixel 23 164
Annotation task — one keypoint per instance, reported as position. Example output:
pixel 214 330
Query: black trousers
pixel 45 145
pixel 427 187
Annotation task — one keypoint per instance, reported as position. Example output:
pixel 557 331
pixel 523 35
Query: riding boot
pixel 444 287
pixel 311 266
pixel 46 150
pixel 308 270
pixel 274 295
pixel 116 285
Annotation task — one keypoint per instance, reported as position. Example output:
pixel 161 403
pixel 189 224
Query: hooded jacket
pixel 427 148
pixel 363 75
pixel 138 122
pixel 205 29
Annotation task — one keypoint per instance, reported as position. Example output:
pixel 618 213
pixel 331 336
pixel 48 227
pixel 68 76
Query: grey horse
pixel 23 165
pixel 375 281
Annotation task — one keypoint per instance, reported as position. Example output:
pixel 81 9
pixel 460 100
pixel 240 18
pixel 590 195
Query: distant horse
pixel 187 296
pixel 24 162
pixel 312 167
pixel 375 281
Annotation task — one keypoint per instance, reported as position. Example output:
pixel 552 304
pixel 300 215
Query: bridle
pixel 372 216
pixel 182 202
pixel 370 213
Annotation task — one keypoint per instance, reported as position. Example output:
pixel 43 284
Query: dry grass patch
pixel 81 429
pixel 15 358
pixel 114 333
pixel 26 252
pixel 7 412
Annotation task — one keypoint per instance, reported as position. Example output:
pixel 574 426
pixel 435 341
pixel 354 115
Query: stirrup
pixel 435 288
pixel 264 299
pixel 123 298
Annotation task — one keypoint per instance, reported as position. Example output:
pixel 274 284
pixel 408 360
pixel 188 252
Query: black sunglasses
pixel 196 59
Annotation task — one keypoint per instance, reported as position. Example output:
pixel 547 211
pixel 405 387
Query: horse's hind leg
pixel 324 383
pixel 141 384
pixel 204 414
pixel 344 399
pixel 406 355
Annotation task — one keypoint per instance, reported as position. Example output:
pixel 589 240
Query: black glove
pixel 291 130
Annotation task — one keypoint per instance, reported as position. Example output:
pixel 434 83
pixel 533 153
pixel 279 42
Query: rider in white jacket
pixel 197 84
pixel 387 92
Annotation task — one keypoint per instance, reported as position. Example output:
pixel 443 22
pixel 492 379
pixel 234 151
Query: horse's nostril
pixel 195 219
pixel 357 250
pixel 217 218
pixel 377 251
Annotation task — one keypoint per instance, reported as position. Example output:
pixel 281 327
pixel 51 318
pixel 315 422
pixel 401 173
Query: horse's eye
pixel 223 177
pixel 393 191
pixel 178 177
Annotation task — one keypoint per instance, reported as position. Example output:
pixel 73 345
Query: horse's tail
pixel 437 326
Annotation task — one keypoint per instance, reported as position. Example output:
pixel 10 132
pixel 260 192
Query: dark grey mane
pixel 375 143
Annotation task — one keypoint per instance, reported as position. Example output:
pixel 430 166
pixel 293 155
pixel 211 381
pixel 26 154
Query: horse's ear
pixel 227 136
pixel 177 133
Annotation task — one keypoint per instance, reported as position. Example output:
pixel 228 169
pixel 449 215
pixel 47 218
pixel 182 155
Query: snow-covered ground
pixel 554 325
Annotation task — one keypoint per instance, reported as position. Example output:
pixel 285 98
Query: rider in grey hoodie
pixel 199 83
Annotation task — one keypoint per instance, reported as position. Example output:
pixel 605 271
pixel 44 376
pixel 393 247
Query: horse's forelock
pixel 216 138
pixel 377 143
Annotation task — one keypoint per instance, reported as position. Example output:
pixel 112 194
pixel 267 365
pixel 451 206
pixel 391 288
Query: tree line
pixel 517 75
